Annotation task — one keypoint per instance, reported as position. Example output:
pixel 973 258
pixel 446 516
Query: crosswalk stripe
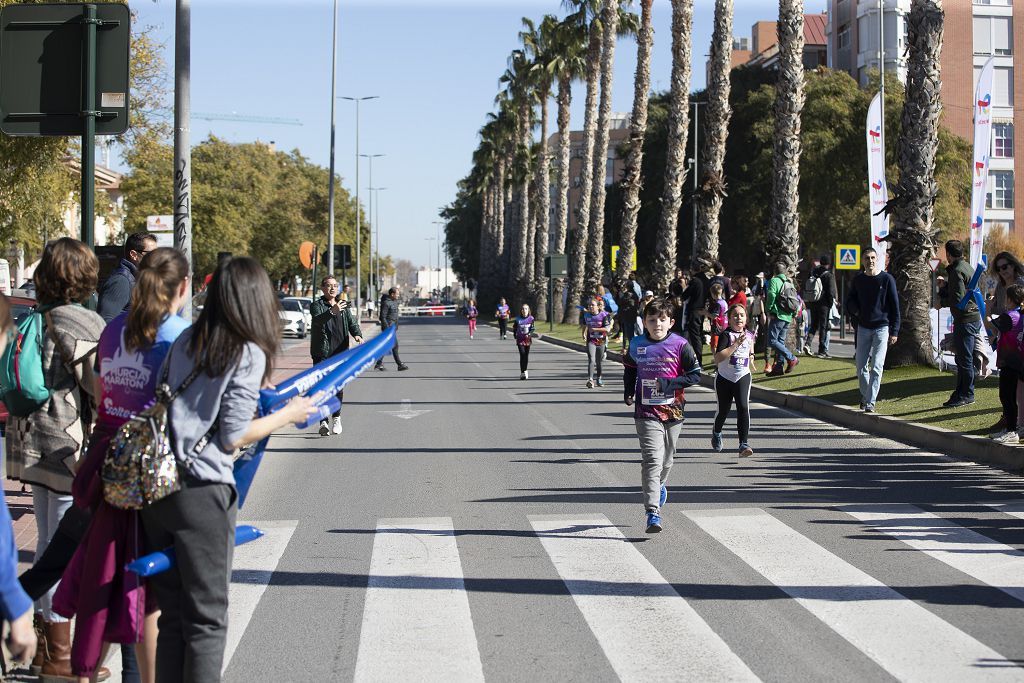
pixel 989 561
pixel 1012 509
pixel 645 628
pixel 417 623
pixel 900 635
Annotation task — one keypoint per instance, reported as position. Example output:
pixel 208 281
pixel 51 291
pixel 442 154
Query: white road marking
pixel 1012 509
pixel 406 413
pixel 416 621
pixel 900 635
pixel 989 561
pixel 646 629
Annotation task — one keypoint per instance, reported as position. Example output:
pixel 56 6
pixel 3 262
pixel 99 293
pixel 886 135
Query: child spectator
pixel 1008 360
pixel 717 308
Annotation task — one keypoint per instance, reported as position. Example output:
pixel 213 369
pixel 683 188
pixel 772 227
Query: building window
pixel 843 39
pixel 1002 85
pixel 1000 3
pixel 993 36
pixel 1000 195
pixel 1002 140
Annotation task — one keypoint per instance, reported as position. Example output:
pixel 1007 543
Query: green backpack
pixel 22 385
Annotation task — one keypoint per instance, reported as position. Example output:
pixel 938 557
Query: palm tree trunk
pixel 486 275
pixel 598 189
pixel 501 226
pixel 542 217
pixel 578 262
pixel 524 253
pixel 678 130
pixel 912 238
pixel 716 130
pixel 562 197
pixel 632 181
pixel 783 238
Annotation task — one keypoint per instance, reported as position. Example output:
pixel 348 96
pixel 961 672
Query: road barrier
pixel 429 310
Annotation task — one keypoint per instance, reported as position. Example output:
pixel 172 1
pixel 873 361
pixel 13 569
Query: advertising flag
pixel 982 145
pixel 878 191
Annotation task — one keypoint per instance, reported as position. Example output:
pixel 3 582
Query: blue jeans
pixel 965 336
pixel 777 329
pixel 871 348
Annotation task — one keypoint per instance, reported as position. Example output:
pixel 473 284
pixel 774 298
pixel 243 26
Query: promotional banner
pixel 982 145
pixel 878 192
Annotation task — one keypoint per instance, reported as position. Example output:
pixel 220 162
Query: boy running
pixel 658 367
pixel 596 328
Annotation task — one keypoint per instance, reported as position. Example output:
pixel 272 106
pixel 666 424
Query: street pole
pixel 182 139
pixel 330 182
pixel 696 166
pixel 376 226
pixel 359 228
pixel 437 227
pixel 430 270
pixel 88 174
pixel 370 158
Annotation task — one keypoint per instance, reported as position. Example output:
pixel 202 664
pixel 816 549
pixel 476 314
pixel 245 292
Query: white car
pixel 304 302
pixel 293 318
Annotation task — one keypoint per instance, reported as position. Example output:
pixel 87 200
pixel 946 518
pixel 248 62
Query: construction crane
pixel 244 118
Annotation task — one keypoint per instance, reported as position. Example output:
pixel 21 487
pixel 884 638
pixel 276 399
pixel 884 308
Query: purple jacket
pixel 646 363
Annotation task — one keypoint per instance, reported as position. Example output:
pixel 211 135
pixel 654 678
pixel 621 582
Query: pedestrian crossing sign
pixel 847 257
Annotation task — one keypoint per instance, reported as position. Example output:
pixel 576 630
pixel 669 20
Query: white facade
pixel 429 279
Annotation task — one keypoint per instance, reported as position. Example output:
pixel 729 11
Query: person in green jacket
pixel 966 323
pixel 779 320
pixel 333 324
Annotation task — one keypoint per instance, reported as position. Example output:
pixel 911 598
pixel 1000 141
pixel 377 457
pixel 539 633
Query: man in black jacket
pixel 389 318
pixel 966 323
pixel 116 293
pixel 820 309
pixel 334 322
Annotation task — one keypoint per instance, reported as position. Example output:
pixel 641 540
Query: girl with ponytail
pixel 112 606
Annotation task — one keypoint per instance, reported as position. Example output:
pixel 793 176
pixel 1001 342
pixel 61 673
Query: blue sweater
pixel 874 303
pixel 13 600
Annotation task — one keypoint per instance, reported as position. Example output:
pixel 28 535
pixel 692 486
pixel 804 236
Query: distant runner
pixel 522 330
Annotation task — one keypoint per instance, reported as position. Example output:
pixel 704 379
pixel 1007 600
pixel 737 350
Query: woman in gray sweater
pixel 231 347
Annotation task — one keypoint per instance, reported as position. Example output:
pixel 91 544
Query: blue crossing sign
pixel 847 257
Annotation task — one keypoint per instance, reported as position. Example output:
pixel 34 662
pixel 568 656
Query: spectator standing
pixel 874 305
pixel 389 318
pixel 333 324
pixel 44 448
pixel 610 305
pixel 739 293
pixel 694 298
pixel 632 283
pixel 719 276
pixel 1007 270
pixel 116 293
pixel 678 284
pixel 966 323
pixel 819 294
pixel 782 303
pixel 1008 360
pixel 628 313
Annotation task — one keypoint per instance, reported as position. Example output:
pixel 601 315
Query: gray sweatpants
pixel 595 356
pixel 657 449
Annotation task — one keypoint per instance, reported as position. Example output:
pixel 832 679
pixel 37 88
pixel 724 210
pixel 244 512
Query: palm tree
pixel 566 64
pixel 678 128
pixel 783 236
pixel 912 238
pixel 631 181
pixel 586 14
pixel 519 94
pixel 716 129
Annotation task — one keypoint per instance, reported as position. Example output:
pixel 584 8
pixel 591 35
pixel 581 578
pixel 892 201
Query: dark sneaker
pixel 380 367
pixel 869 408
pixel 600 382
pixel 653 522
pixel 822 354
pixel 402 367
pixel 325 428
pixel 959 403
pixel 790 364
pixel 746 451
pixel 664 496
pixel 716 441
pixel 776 371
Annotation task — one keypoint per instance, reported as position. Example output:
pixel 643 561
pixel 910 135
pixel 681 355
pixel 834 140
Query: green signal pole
pixel 89 113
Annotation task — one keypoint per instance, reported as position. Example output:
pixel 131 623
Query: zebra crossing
pixel 418 622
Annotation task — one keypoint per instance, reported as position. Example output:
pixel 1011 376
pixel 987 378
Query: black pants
pixel 1008 379
pixel 695 335
pixel 819 326
pixel 728 392
pixel 502 326
pixel 341 394
pixel 524 357
pixel 199 523
pixel 394 351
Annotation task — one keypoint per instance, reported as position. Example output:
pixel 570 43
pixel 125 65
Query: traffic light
pixel 342 256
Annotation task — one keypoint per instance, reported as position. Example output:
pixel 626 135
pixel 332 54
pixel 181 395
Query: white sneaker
pixel 324 428
pixel 1008 438
pixel 337 425
pixel 526 374
pixel 590 384
pixel 997 435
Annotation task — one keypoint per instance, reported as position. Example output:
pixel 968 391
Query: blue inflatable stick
pixel 974 292
pixel 162 560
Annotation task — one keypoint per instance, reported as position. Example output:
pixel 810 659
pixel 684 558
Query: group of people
pixel 100 371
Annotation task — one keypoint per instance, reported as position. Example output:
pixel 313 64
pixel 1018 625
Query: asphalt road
pixel 468 525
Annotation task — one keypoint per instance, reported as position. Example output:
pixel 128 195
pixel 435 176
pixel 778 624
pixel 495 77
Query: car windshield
pixel 291 305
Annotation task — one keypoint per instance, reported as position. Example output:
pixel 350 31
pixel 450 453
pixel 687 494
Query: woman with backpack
pixel 45 444
pixel 217 368
pixel 111 605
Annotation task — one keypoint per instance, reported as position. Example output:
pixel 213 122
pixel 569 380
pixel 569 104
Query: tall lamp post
pixel 429 269
pixel 370 158
pixel 695 165
pixel 359 231
pixel 375 218
pixel 438 225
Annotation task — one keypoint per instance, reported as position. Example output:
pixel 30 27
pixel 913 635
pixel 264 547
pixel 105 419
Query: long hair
pixel 240 307
pixel 161 273
pixel 1018 269
pixel 68 273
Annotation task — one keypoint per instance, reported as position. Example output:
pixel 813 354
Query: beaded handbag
pixel 140 466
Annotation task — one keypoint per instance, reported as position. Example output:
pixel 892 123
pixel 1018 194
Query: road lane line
pixel 967 551
pixel 900 635
pixel 416 621
pixel 1013 509
pixel 647 631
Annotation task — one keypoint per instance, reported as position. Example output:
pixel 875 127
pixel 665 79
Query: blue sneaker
pixel 653 522
pixel 716 441
pixel 664 496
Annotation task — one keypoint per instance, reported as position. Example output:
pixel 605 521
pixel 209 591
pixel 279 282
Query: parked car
pixel 304 304
pixel 293 318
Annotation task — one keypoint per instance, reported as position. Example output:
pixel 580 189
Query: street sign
pixel 43 65
pixel 933 263
pixel 307 252
pixel 556 265
pixel 342 256
pixel 615 259
pixel 847 257
pixel 162 228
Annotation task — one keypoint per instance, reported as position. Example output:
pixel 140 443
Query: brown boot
pixel 57 663
pixel 37 626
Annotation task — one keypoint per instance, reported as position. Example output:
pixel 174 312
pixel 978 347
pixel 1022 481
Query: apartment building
pixel 974 31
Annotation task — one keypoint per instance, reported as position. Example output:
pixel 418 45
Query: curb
pixel 938 439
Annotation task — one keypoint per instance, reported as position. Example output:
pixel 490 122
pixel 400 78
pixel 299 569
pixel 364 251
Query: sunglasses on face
pixel 1004 266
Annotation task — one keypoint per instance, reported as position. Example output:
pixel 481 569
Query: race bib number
pixel 739 362
pixel 652 396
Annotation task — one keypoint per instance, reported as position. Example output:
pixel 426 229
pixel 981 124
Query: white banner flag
pixel 878 191
pixel 982 145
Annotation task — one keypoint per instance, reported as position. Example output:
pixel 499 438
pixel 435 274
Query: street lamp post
pixel 438 225
pixel 696 166
pixel 375 226
pixel 369 158
pixel 430 270
pixel 359 231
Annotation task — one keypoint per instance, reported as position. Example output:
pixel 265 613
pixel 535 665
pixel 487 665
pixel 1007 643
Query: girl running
pixel 522 329
pixel 735 358
pixel 471 315
pixel 503 313
pixel 596 328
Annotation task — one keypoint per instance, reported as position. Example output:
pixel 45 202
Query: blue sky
pixel 434 63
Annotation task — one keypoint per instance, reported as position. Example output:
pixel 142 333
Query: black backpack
pixel 787 300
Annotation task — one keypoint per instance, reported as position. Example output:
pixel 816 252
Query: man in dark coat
pixel 821 308
pixel 333 323
pixel 389 318
pixel 116 293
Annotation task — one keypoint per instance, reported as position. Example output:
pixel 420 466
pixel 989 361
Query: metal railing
pixel 429 310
